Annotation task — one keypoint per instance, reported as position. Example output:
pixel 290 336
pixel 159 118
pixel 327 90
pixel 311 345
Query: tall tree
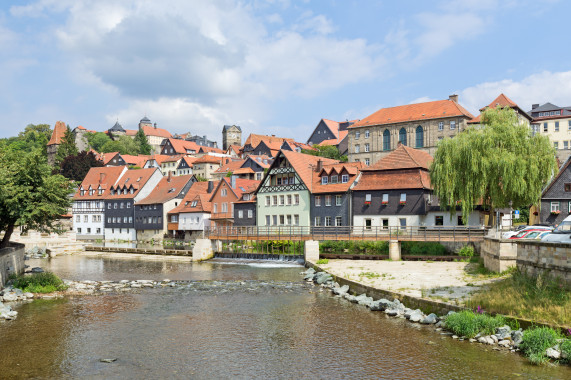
pixel 141 140
pixel 123 145
pixel 67 146
pixel 76 167
pixel 31 196
pixel 496 163
pixel 97 140
pixel 327 151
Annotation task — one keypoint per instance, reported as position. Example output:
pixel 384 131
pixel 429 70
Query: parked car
pixel 509 234
pixel 561 234
pixel 530 233
pixel 542 235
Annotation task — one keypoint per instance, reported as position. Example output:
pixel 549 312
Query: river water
pixel 230 320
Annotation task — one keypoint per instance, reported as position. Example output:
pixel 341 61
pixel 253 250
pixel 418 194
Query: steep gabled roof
pixel 230 166
pixel 259 159
pixel 305 164
pixel 154 131
pixel 403 157
pixel 414 112
pixel 136 178
pixel 99 176
pixel 561 171
pixel 394 180
pixel 242 186
pixel 139 160
pixel 181 146
pixel 254 139
pixel 107 157
pixel 197 188
pixel 188 160
pixel 207 159
pixel 352 168
pixel 168 188
pixel 209 149
pixel 501 101
pixel 57 135
pixel 336 141
pixel 234 148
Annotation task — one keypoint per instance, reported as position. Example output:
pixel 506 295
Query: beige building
pixel 205 166
pixel 554 122
pixel 419 126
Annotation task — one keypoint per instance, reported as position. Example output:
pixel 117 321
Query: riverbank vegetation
pixel 382 247
pixel 46 282
pixel 469 324
pixel 540 298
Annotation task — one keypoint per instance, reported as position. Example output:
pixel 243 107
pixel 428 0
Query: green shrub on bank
pixel 322 261
pixel 469 324
pixel 536 341
pixel 46 282
pixel 382 247
pixel 565 347
pixel 466 251
pixel 423 248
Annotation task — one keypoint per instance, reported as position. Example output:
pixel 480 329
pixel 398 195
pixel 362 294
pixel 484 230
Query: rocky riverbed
pixel 504 338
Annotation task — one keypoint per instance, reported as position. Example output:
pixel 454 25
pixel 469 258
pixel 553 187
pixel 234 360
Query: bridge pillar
pixel 311 251
pixel 202 250
pixel 394 250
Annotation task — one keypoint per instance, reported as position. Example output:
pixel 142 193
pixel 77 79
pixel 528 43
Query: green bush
pixel 423 248
pixel 536 341
pixel 322 261
pixel 469 324
pixel 466 251
pixel 46 282
pixel 565 347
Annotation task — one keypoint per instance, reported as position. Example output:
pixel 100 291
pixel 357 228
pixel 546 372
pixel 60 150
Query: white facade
pixel 89 219
pixel 127 234
pixel 431 219
pixel 193 221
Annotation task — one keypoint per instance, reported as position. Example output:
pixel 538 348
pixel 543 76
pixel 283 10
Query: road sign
pixel 516 214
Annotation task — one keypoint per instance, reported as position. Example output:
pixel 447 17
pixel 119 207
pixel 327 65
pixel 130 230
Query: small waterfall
pixel 260 256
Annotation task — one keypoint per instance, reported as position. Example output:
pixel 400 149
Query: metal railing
pixel 409 233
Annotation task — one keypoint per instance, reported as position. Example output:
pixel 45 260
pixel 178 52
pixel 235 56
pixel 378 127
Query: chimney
pixel 233 181
pixel 454 98
pixel 210 187
pixel 319 166
pixel 169 176
pixel 534 106
pixel 155 125
pixel 101 177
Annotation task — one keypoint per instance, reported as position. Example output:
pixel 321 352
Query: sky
pixel 274 66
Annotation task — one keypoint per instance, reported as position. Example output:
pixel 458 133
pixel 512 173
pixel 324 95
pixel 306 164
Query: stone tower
pixel 231 135
pixel 145 122
pixel 55 141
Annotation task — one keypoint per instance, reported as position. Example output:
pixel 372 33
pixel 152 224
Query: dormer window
pixel 82 192
pixel 324 180
pixel 194 203
pixel 112 192
pixel 334 179
pixel 345 178
pixel 99 191
pixel 246 197
pixel 132 190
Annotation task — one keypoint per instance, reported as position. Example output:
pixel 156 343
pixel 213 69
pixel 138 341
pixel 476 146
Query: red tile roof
pixel 139 160
pixel 152 131
pixel 189 160
pixel 337 141
pixel 403 157
pixel 107 157
pixel 181 146
pixel 57 135
pixel 168 188
pixel 159 158
pixel 234 148
pixel 351 168
pixel 248 186
pixel 393 180
pixel 99 176
pixel 259 159
pixel 254 139
pixel 135 178
pixel 197 188
pixel 230 166
pixel 208 160
pixel 208 149
pixel 412 112
pixel 305 164
pixel 501 101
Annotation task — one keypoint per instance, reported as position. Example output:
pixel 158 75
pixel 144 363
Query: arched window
pixel 419 137
pixel 402 136
pixel 386 140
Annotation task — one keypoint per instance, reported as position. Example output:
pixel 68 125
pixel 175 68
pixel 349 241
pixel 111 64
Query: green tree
pixel 31 196
pixel 141 141
pixel 76 167
pixel 327 151
pixel 123 145
pixel 97 140
pixel 33 137
pixel 67 147
pixel 496 163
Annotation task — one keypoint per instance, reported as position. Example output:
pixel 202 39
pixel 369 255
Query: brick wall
pixel 539 257
pixel 498 254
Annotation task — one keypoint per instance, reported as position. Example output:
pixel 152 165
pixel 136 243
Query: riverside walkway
pixel 302 233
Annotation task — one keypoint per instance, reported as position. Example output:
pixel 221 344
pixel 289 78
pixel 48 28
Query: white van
pixel 562 234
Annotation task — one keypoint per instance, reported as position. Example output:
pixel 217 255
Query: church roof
pixel 117 127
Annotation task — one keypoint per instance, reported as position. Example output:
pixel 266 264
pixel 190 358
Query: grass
pixel 537 298
pixel 370 275
pixel 536 341
pixel 322 261
pixel 46 282
pixel 469 324
pixel 477 268
pixel 566 349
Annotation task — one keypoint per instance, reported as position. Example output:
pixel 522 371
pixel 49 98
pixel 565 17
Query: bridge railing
pixel 410 233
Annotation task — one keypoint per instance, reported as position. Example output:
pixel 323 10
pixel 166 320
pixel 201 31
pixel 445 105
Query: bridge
pixel 454 234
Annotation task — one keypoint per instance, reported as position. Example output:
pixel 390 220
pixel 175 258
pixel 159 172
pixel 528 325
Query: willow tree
pixel 492 164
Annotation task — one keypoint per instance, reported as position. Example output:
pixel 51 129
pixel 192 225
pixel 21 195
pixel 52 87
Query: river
pixel 230 320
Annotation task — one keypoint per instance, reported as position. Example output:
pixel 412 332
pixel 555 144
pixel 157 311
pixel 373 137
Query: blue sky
pixel 271 66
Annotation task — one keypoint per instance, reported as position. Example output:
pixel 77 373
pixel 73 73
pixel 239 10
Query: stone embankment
pixel 504 338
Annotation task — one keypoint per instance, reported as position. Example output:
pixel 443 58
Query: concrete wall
pixel 498 254
pixel 11 261
pixel 539 257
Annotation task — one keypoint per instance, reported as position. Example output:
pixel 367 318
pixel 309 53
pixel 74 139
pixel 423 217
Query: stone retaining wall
pixel 537 257
pixel 498 254
pixel 11 261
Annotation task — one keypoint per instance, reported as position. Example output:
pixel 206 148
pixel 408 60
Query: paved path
pixel 444 281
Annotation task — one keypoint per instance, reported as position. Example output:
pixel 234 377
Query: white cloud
pixel 543 87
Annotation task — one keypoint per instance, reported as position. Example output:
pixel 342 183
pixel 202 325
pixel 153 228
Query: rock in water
pixel 552 353
pixel 517 337
pixel 342 290
pixel 37 270
pixel 108 360
pixel 417 316
pixel 430 319
pixel 503 332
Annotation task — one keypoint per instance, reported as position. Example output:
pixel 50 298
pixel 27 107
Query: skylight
pixel 241 188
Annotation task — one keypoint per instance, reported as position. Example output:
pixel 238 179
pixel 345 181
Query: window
pixel 556 145
pixel 441 126
pixel 402 222
pixel 569 208
pixel 275 219
pixel 268 200
pixel 460 220
pixel 125 219
pixel 250 213
pixel 215 207
pixel 317 201
pixel 403 197
pixel 338 221
pixel 267 220
pixel 569 127
pixel 289 220
pixel 109 220
pixel 367 147
pixel 130 219
pixel 556 126
pixel 328 200
pixel 129 205
pixel 324 180
pixel 567 187
pixel 259 176
pixel 224 192
pixel 334 178
pixel 419 137
pixel 367 197
pixel 357 135
pixel 275 200
pixel 317 221
pixel 289 199
pixel 385 224
pixel 345 178
pixel 386 140
pixel 367 161
pixel 368 223
pixel 282 200
pixel 78 218
pixel 296 220
pixel 367 134
pixel 240 214
pixel 98 230
pixel 174 218
pixel 565 144
pixel 338 200
pixel 357 148
pixel 452 124
pixel 402 136
pixel 438 220
pixel 224 207
pixel 296 198
pixel 554 206
pixel 79 230
pixel 385 199
pixel 122 205
pixel 86 218
pixel 544 127
pixel 327 221
pixel 114 220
